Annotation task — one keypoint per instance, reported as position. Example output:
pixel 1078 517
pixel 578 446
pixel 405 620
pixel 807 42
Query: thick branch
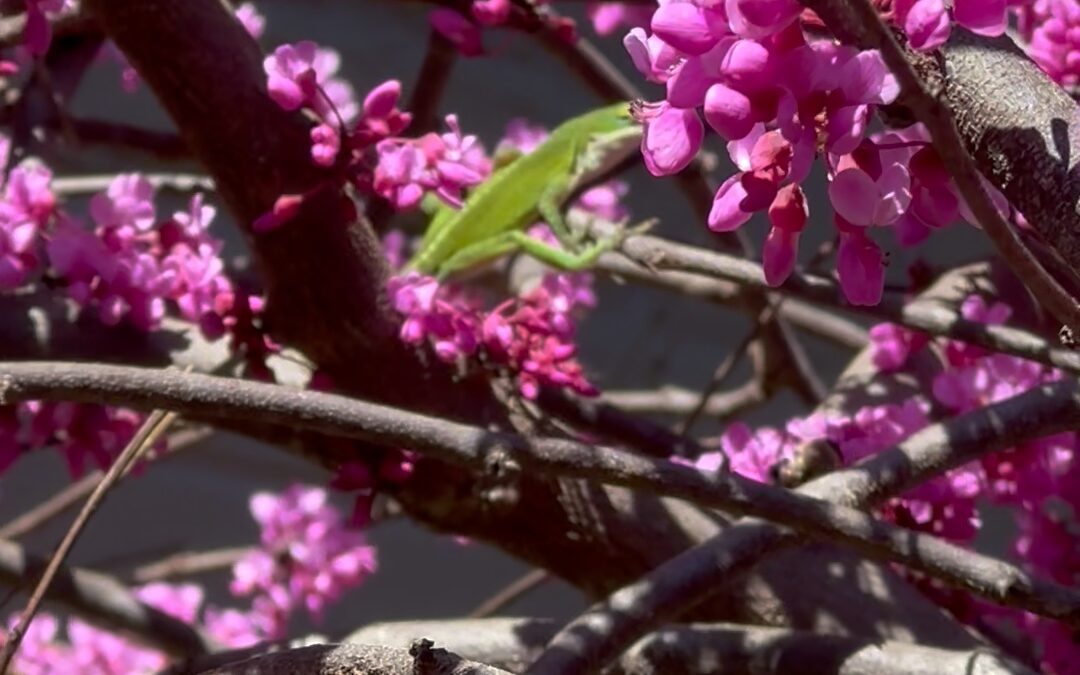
pixel 743 650
pixel 704 649
pixel 1041 411
pixel 324 270
pixel 351 659
pixel 929 317
pixel 675 587
pixel 103 601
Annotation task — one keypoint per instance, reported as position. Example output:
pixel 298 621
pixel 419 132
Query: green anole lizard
pixel 531 188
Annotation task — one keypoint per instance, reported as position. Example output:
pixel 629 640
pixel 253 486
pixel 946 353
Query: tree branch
pixel 351 659
pixel 1042 411
pixel 928 317
pixel 745 650
pixel 675 587
pixel 102 600
pixel 816 320
pixel 698 649
pixel 188 563
pixel 673 400
pixel 145 437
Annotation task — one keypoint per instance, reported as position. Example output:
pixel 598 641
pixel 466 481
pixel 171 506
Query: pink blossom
pixel 233 628
pixel 18 254
pixel 82 432
pixel 692 28
pixel 867 189
pixel 607 17
pixel 464 35
pixel 491 12
pixel 28 195
pixel 754 454
pixel 927 22
pixel 128 203
pixel 39 652
pixel 38 32
pixel 653 57
pixel 860 267
pixel 444 164
pixel 788 217
pixel 891 344
pixel 254 22
pixel 302 74
pixel 671 138
pixel 325 145
pixel 307 557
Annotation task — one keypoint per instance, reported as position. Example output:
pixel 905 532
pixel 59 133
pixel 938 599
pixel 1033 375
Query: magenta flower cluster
pixel 307 557
pixel 531 335
pixel 781 102
pixel 130 264
pixel 86 435
pixel 86 649
pixel 368 151
pixel 1037 481
pixel 1052 31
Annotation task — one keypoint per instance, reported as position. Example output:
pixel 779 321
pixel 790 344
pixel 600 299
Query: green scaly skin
pixel 531 188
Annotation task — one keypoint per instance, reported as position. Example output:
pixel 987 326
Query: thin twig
pixel 188 563
pixel 52 507
pixel 1044 410
pixel 726 367
pixel 67 498
pixel 511 592
pixel 672 400
pixel 925 316
pixel 177 182
pixel 820 321
pixel 144 438
pixel 103 601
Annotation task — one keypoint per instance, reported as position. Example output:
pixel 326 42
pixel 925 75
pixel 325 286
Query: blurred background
pixel 637 338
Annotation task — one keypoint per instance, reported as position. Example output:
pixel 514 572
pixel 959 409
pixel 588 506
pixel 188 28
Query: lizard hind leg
pixel 570 261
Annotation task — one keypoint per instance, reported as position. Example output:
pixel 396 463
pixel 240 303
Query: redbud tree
pixel 833 153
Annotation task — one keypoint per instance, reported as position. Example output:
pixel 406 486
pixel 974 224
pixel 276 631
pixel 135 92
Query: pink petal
pixel 726 214
pixel 861 270
pixel 789 211
pixel 671 139
pixel 927 24
pixel 866 79
pixel 382 100
pixel 687 87
pixel 985 17
pixel 685 27
pixel 854 195
pixel 748 64
pixel 779 254
pixel 761 18
pixel 728 111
